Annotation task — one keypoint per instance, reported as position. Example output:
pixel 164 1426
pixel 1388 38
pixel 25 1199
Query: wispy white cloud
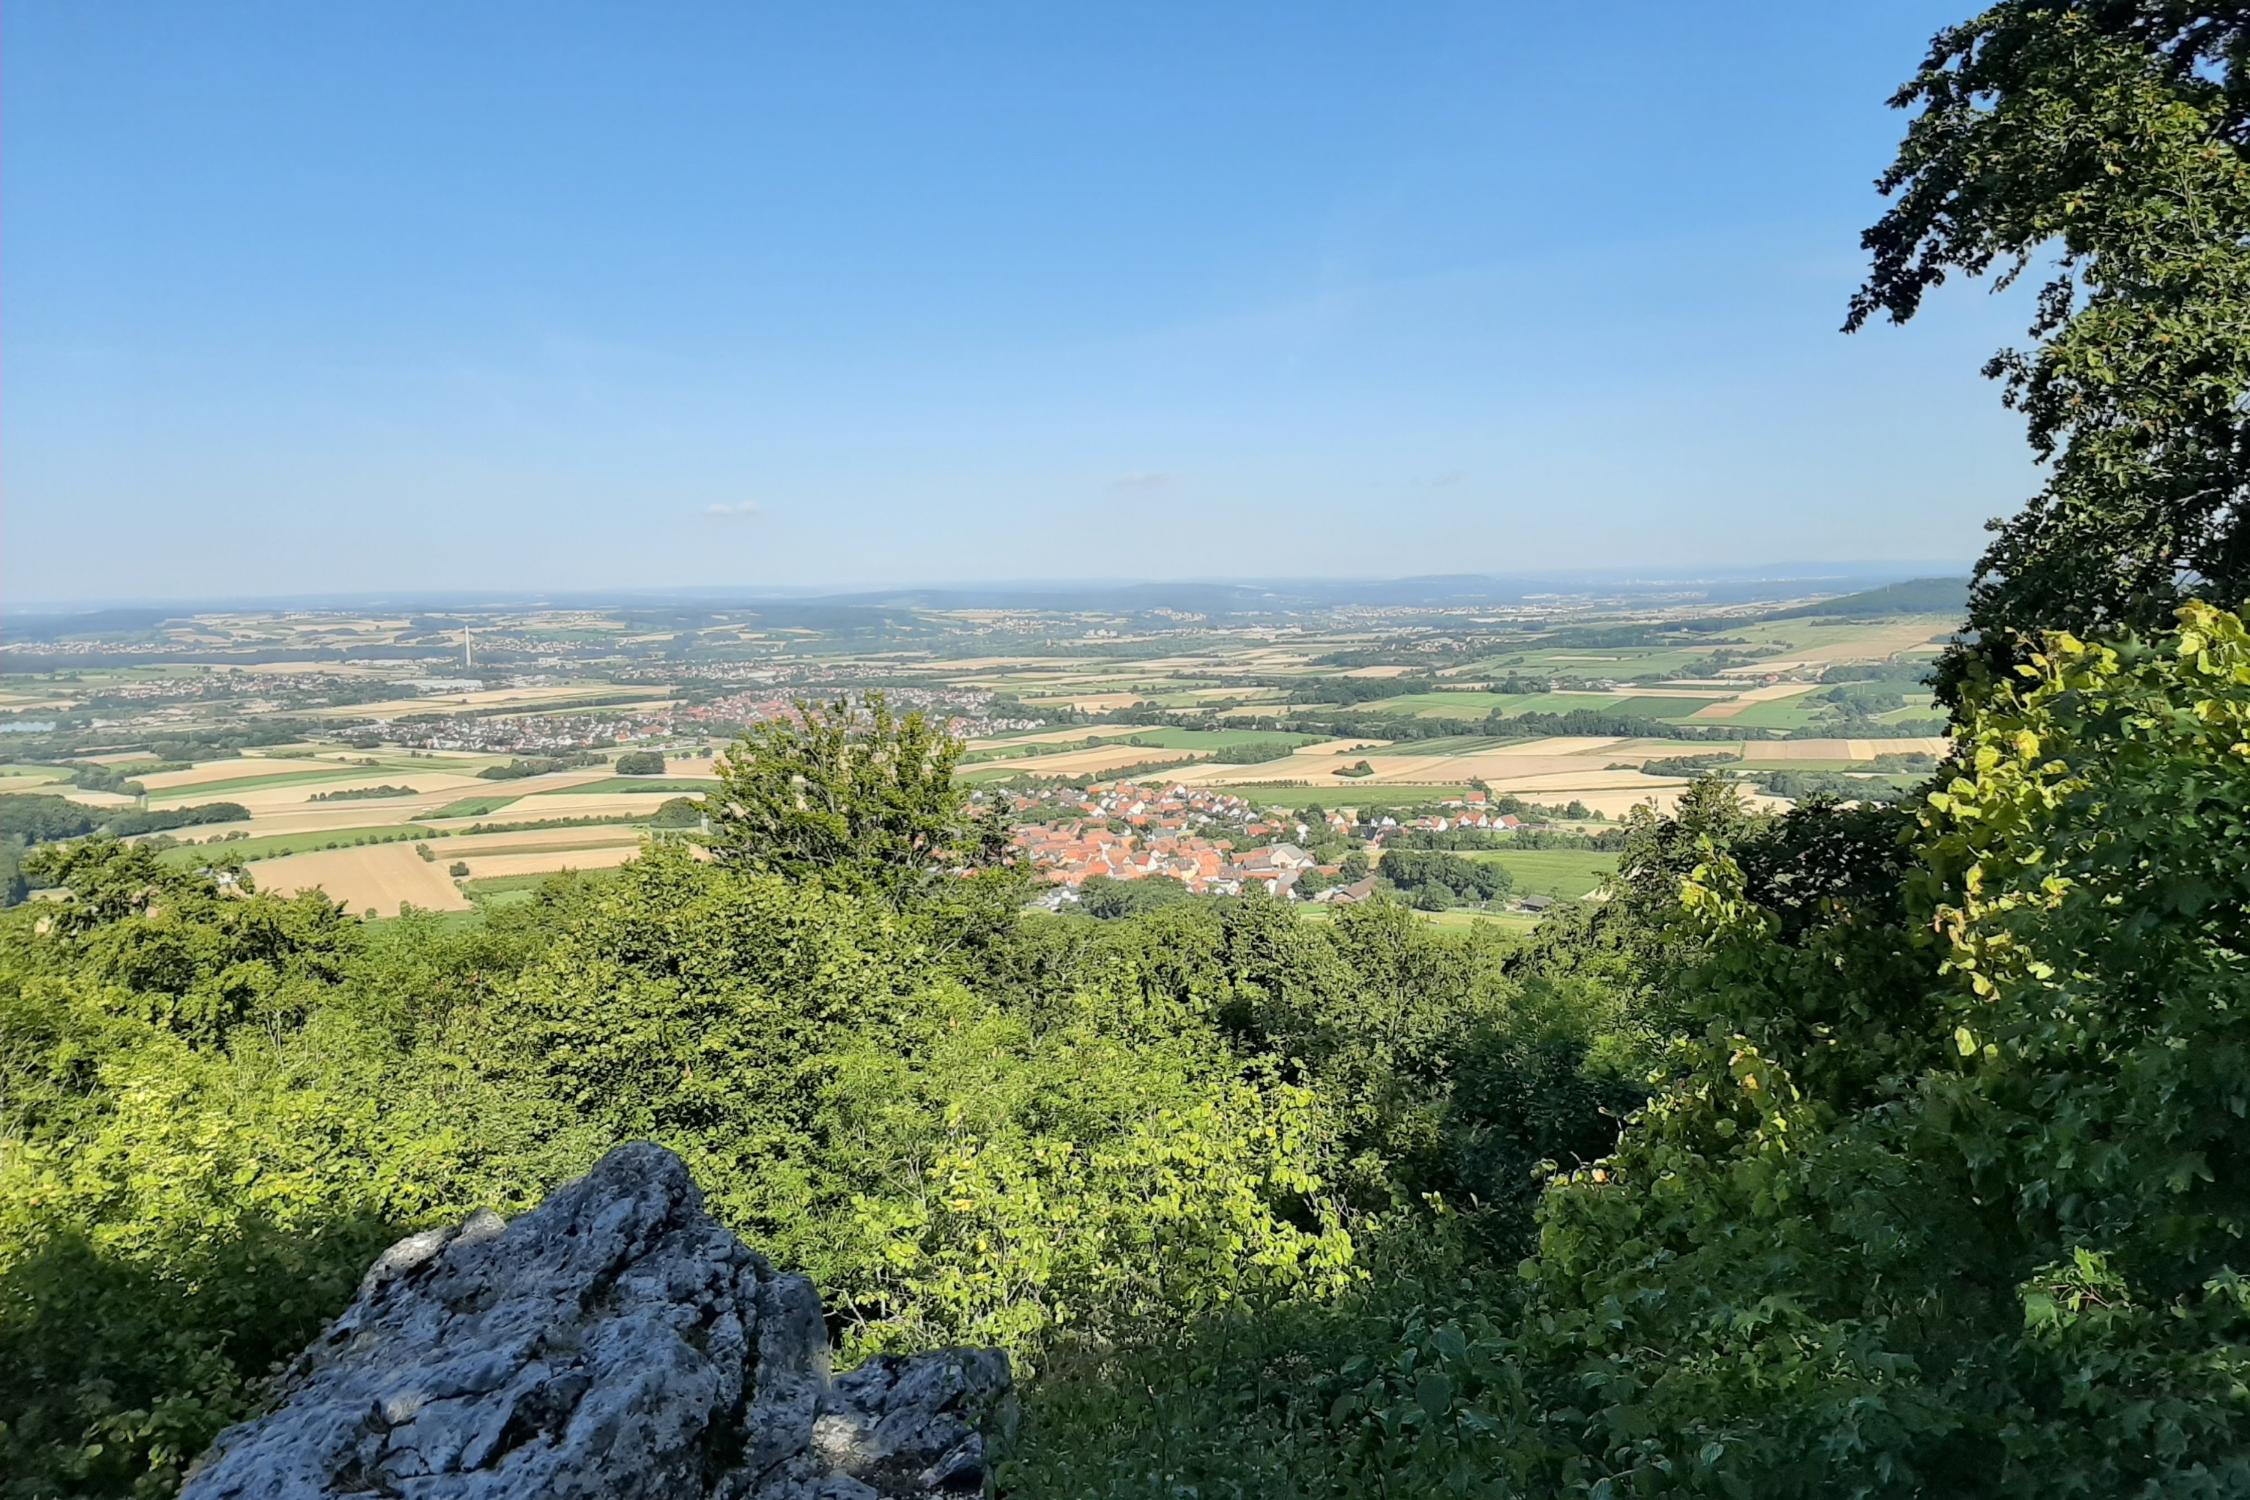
pixel 1142 483
pixel 1450 479
pixel 739 510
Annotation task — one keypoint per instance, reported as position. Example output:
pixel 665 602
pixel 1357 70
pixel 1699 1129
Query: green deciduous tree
pixel 2104 145
pixel 853 796
pixel 1938 1196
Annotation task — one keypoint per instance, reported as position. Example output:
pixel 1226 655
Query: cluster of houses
pixel 1471 810
pixel 967 714
pixel 1212 842
pixel 530 734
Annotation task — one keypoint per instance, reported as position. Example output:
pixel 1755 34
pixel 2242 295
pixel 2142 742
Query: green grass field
pixel 474 807
pixel 1466 704
pixel 505 888
pixel 672 786
pixel 33 775
pixel 1564 874
pixel 1211 739
pixel 1452 744
pixel 1780 713
pixel 271 845
pixel 1624 663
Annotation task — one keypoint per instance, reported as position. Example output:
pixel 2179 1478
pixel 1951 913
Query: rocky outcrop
pixel 613 1343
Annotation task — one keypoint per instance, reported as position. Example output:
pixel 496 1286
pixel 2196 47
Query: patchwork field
pixel 1074 762
pixel 248 768
pixel 566 803
pixel 1715 669
pixel 1088 702
pixel 1574 762
pixel 1822 643
pixel 1843 750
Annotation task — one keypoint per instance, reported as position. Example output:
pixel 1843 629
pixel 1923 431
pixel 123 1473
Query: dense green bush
pixel 1050 1134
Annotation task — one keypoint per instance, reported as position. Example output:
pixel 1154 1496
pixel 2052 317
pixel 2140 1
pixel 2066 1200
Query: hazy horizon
pixel 1844 574
pixel 562 297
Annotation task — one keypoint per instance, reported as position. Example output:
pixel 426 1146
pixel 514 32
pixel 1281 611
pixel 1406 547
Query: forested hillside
pixel 1864 1150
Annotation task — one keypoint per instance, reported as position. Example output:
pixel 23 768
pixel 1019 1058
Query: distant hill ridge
pixel 1916 596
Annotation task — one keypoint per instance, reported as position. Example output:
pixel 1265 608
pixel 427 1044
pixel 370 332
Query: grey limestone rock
pixel 613 1343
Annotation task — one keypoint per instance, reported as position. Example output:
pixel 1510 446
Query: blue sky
pixel 528 295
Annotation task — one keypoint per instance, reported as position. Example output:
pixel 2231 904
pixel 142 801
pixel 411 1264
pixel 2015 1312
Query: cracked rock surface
pixel 615 1342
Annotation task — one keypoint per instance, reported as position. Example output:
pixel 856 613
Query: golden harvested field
pixel 284 809
pixel 538 861
pixel 1580 759
pixel 378 875
pixel 239 768
pixel 1506 773
pixel 1314 763
pixel 1843 750
pixel 89 799
pixel 431 791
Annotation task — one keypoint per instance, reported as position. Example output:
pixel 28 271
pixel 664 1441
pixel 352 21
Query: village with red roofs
pixel 1213 842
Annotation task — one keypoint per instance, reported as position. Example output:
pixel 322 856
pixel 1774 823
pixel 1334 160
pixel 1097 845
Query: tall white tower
pixel 468 652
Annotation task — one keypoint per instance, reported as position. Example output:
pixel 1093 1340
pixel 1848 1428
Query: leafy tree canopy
pixel 851 795
pixel 2105 146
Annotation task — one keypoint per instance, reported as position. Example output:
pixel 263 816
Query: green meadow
pixel 1564 874
pixel 270 845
